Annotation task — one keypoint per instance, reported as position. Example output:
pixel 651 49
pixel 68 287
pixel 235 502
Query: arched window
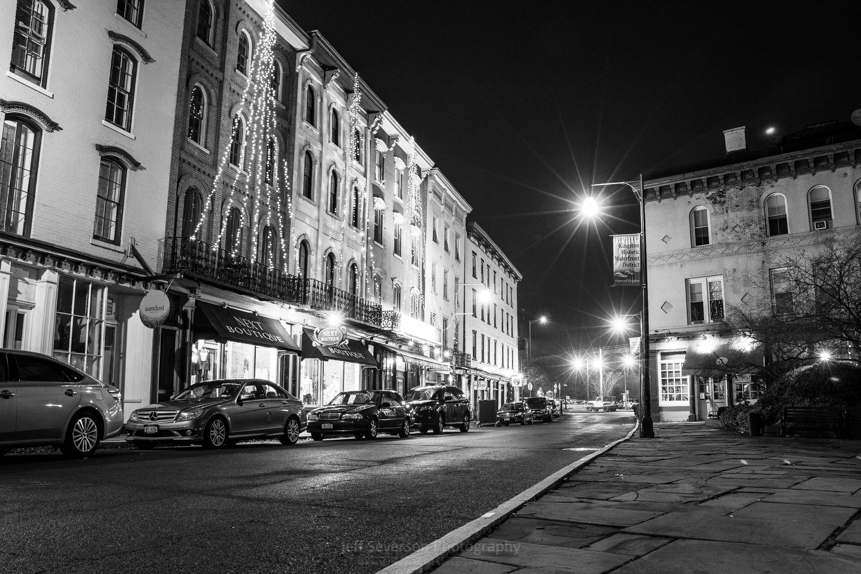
pixel 396 298
pixel 243 56
pixel 700 226
pixel 31 46
pixel 121 83
pixel 333 193
pixel 271 159
pixel 268 248
pixel 329 270
pixel 233 233
pixel 196 115
pixel 204 22
pixel 357 204
pixel 310 106
pixel 819 201
pixel 190 212
pixel 775 215
pixel 19 153
pixel 237 142
pixel 335 132
pixel 415 305
pixel 275 80
pixel 302 263
pixel 308 176
pixel 131 10
pixel 353 279
pixel 109 201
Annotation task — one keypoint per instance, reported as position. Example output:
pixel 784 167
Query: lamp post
pixel 542 319
pixel 646 426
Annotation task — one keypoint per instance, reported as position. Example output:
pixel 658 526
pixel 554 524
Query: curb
pixel 441 549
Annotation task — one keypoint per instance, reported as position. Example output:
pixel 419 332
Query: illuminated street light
pixel 825 356
pixel 542 319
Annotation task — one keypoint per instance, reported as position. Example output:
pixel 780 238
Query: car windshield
pixel 421 394
pixel 535 401
pixel 353 398
pixel 512 407
pixel 208 390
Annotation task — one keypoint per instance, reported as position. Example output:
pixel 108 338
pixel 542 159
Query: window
pixel 353 279
pixel 109 201
pixel 474 345
pixel 433 230
pixel 310 106
pixel 705 300
pixel 237 142
pixel 747 388
pixel 79 320
pixel 268 248
pixel 699 226
pixel 456 292
pixel 302 263
pixel 335 131
pixel 357 205
pixel 204 22
pixel 196 115
pixel 781 292
pixel 457 247
pixel 415 245
pixel 482 348
pixel 18 160
pixel 433 278
pixel 121 89
pixel 271 162
pixel 415 305
pixel 244 53
pixel 445 284
pixel 30 45
pixel 775 215
pixel 378 226
pixel 474 303
pixel 275 80
pixel 445 237
pixel 333 193
pixel 674 385
pixel 329 270
pixel 308 176
pixel 131 10
pixel 474 270
pixel 357 146
pixel 445 333
pixel 396 297
pixel 819 200
pixel 233 233
pixel 190 212
pixel 398 233
pixel 378 290
pixel 380 166
pixel 399 184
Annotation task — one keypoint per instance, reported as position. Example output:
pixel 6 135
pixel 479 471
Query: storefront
pixel 333 362
pixel 720 378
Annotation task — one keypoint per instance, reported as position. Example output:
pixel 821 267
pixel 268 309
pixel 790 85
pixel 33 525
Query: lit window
pixel 705 300
pixel 674 385
pixel 775 214
pixel 30 45
pixel 700 226
pixel 109 201
pixel 18 152
pixel 121 89
pixel 396 298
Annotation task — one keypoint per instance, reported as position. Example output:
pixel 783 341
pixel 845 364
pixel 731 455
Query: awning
pixel 349 350
pixel 423 360
pixel 226 324
pixel 723 360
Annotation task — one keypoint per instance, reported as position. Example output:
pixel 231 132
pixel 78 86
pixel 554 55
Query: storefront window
pixel 747 388
pixel 674 385
pixel 79 325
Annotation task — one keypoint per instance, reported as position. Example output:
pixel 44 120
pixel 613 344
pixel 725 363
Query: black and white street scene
pixel 326 287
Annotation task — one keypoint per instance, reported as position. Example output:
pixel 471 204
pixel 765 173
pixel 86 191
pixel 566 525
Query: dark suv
pixel 540 407
pixel 437 406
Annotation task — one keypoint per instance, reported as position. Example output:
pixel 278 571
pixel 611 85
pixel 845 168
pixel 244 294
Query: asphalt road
pixel 337 506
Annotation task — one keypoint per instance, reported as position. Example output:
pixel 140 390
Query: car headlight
pixel 313 417
pixel 352 416
pixel 190 414
pixel 134 417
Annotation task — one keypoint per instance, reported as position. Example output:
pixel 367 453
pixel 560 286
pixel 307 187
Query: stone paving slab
pixel 588 513
pixel 630 544
pixel 813 497
pixel 458 565
pixel 851 534
pixel 831 484
pixel 848 550
pixel 552 533
pixel 705 557
pixel 548 558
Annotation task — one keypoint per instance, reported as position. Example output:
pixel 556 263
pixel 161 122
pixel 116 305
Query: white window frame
pixel 708 226
pixel 813 220
pixel 768 217
pixel 671 381
pixel 705 283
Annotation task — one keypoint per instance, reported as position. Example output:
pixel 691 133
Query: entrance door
pixel 711 396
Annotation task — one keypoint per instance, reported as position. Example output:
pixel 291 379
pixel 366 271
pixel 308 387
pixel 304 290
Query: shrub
pixel 736 417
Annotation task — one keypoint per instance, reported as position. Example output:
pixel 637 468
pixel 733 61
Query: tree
pixel 815 298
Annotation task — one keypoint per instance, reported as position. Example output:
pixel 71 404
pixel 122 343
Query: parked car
pixel 540 408
pixel 438 406
pixel 515 413
pixel 44 402
pixel 362 414
pixel 605 404
pixel 219 413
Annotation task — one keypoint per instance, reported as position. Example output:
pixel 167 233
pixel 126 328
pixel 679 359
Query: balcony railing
pixel 199 260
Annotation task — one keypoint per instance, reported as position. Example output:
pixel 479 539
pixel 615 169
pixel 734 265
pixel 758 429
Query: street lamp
pixel 646 427
pixel 542 319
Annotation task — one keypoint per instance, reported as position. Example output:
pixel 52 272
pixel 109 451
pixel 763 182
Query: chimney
pixel 735 140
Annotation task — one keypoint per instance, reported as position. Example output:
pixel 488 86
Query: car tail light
pixel 115 392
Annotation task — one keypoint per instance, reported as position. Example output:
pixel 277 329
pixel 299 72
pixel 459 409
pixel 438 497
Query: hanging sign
pixel 626 260
pixel 154 308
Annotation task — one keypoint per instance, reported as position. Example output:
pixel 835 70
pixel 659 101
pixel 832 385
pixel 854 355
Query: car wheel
pixel 371 433
pixel 606 409
pixel 588 409
pixel 82 438
pixel 465 426
pixel 423 429
pixel 317 436
pixel 405 430
pixel 215 435
pixel 144 445
pixel 291 432
pixel 440 423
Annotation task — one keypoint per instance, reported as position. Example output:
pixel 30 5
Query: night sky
pixel 524 104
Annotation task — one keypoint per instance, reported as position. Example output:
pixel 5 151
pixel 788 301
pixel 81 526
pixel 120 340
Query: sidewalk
pixel 694 499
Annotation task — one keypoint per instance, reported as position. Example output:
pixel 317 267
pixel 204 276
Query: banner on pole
pixel 626 260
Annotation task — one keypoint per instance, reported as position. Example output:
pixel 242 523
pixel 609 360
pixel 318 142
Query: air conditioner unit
pixel 823 224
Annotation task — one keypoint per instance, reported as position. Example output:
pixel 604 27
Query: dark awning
pixel 226 324
pixel 349 350
pixel 723 360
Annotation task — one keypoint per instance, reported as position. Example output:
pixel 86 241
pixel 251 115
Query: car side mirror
pixel 385 405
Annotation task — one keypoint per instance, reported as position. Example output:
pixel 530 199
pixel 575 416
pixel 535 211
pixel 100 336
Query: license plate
pixel 151 429
pixel 327 425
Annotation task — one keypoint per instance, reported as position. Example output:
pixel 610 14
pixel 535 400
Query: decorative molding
pixel 329 76
pixel 131 162
pixel 303 56
pixel 41 117
pixel 66 5
pixel 122 39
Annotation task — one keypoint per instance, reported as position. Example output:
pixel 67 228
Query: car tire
pixel 215 435
pixel 606 409
pixel 405 430
pixel 291 432
pixel 144 444
pixel 317 436
pixel 372 431
pixel 83 436
pixel 440 424
pixel 464 427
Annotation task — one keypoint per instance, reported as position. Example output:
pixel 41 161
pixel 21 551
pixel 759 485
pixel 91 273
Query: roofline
pixel 474 229
pixel 320 45
pixel 437 173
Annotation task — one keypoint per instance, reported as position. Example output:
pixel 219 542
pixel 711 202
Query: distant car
pixel 362 414
pixel 606 404
pixel 46 402
pixel 219 413
pixel 513 413
pixel 540 408
pixel 438 406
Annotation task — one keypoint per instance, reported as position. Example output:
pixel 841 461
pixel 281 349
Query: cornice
pixel 41 117
pixel 132 163
pixel 123 39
